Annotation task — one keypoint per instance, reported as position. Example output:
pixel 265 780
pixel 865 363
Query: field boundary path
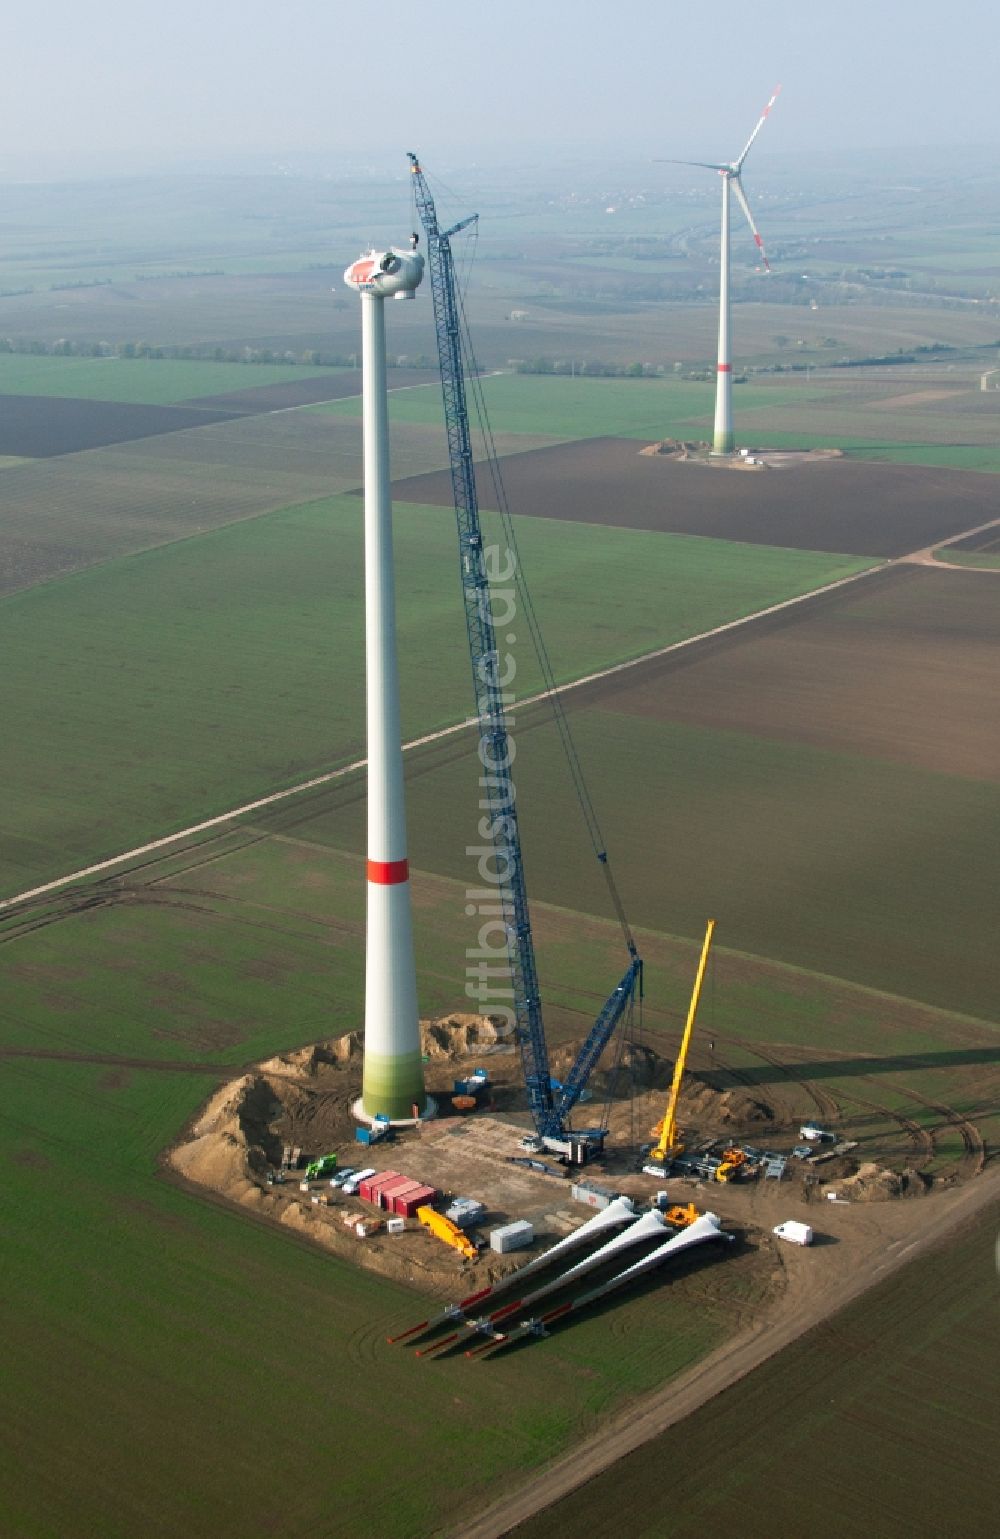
pixel 721 1369
pixel 101 866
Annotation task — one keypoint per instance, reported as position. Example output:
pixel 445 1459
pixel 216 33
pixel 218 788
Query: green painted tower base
pixel 392 1086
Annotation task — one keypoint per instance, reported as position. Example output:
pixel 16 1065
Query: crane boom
pixel 499 798
pixel 668 1133
pixel 495 748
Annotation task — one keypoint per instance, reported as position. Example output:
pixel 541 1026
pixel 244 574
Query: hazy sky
pixel 122 84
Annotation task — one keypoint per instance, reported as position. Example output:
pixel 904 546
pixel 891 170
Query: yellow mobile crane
pixel 669 1144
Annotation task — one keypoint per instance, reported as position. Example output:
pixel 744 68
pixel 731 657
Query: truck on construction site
pixel 794 1232
pixel 574 1149
pixel 378 1132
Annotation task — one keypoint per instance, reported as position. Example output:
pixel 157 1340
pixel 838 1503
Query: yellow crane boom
pixel 669 1143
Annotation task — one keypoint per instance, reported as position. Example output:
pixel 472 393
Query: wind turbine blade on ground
pixel 741 198
pixel 737 166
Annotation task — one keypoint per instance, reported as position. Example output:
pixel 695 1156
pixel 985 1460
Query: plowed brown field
pixel 40 426
pixel 860 508
pixel 901 673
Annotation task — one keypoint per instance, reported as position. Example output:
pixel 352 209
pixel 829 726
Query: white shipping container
pixel 593 1196
pixel 512 1236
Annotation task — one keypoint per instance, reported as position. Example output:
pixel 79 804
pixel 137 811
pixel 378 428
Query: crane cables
pixel 550 687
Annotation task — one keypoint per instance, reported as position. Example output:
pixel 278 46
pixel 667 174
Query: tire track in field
pixel 118 1061
pixel 974 1157
pixel 924 1141
pixel 922 1138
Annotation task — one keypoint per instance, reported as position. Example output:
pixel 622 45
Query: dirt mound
pixel 455 1036
pixel 450 1036
pixel 874 1183
pixel 231 1139
pixel 727 1107
pixel 306 1062
pixel 643 1071
pixel 678 447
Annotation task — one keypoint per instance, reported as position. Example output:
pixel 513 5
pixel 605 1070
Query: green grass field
pixel 984 560
pixel 175 1366
pixel 148 1319
pixel 146 381
pixel 208 672
pixel 584 408
pixel 156 1333
pixel 794 414
pixel 804 855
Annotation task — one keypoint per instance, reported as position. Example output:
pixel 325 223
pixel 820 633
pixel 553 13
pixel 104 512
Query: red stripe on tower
pixel 724 368
pixel 388 872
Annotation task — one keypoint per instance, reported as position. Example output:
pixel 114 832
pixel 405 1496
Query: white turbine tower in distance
pixel 723 440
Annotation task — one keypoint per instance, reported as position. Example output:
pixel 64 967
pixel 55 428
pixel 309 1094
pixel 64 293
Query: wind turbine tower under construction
pixel 723 440
pixel 393 1083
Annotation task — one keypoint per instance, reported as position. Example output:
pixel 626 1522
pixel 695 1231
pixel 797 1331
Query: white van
pixel 794 1232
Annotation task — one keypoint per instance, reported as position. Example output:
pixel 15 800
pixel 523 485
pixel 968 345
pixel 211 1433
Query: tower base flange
pixel 429 1113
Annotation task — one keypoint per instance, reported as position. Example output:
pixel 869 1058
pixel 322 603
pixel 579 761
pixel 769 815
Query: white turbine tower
pixel 723 440
pixel 393 1072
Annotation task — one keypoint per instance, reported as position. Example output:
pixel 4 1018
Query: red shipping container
pixel 409 1202
pixel 383 1196
pixel 378 1182
pixel 369 1187
pixel 399 1192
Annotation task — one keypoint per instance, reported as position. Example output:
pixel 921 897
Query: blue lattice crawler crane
pixel 550 1109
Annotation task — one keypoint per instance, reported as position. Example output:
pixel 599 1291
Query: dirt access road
pixel 928 556
pixel 804 1304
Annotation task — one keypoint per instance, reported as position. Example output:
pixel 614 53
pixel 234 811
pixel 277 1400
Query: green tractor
pixel 326 1165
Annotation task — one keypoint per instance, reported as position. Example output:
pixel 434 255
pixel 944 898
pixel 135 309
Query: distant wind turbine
pixel 724 442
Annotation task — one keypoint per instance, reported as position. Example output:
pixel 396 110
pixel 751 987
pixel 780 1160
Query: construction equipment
pixel 324 1166
pixel 445 1230
pixel 550 1110
pixel 669 1144
pixel 681 1216
pixel 539 1165
pixel 733 1163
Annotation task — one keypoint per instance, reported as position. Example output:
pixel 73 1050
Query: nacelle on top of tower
pixel 389 274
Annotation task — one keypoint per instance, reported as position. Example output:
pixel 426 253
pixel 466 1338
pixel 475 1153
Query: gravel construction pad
pixel 862 509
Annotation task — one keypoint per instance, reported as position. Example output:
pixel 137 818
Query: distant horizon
pixel 130 87
pixel 338 163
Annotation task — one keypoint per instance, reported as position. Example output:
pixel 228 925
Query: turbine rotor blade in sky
pixel 741 198
pixel 710 165
pixel 737 165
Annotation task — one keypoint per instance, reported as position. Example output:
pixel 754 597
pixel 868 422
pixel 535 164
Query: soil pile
pixel 231 1139
pixel 679 447
pixel 727 1108
pixel 874 1183
pixel 455 1036
pixel 307 1062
